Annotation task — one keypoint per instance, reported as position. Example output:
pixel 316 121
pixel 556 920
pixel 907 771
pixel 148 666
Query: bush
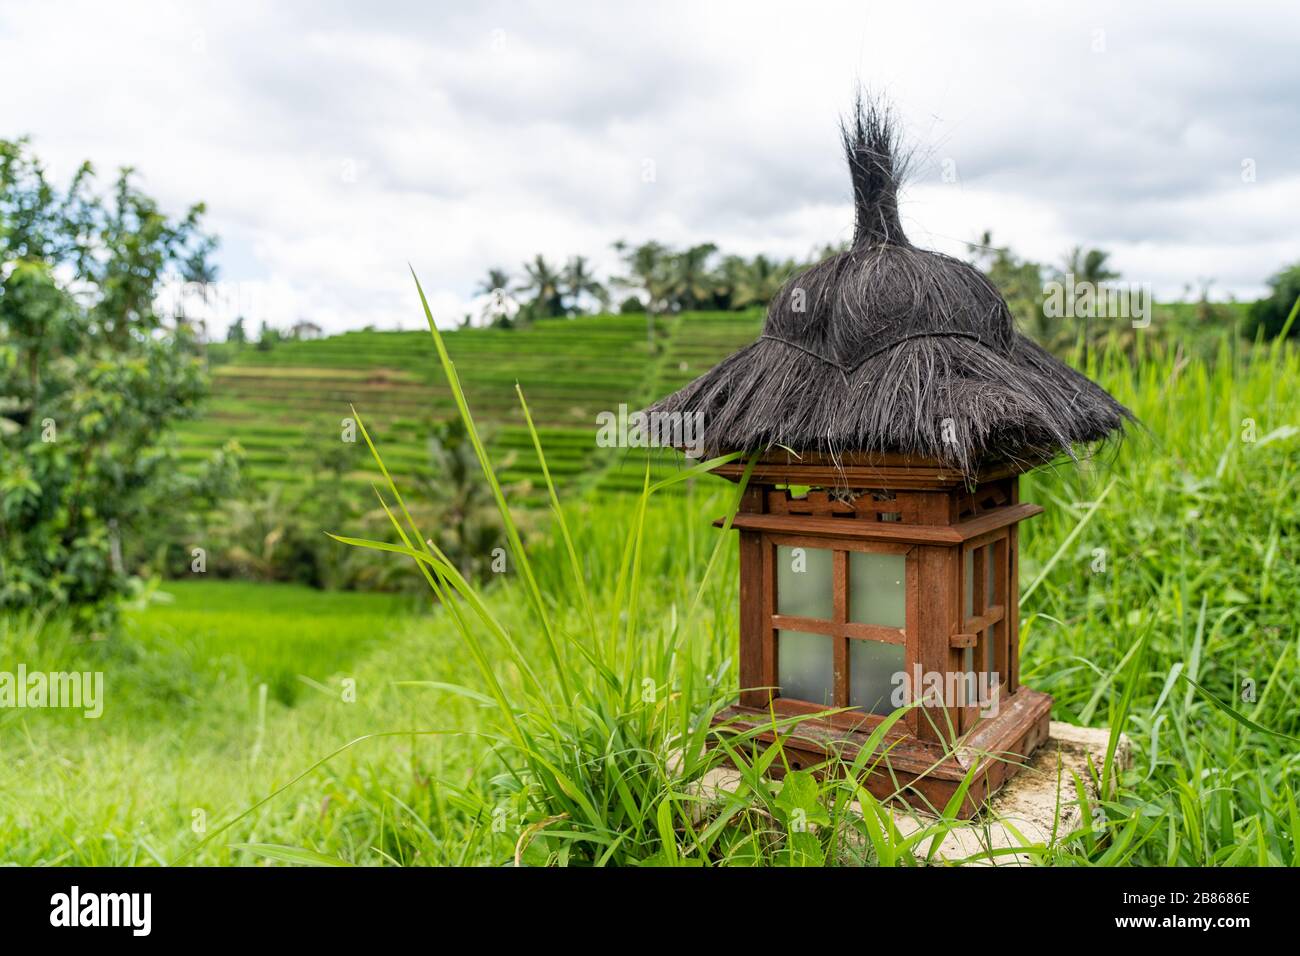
pixel 1270 314
pixel 90 379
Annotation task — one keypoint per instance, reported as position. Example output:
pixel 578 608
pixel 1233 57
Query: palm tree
pixel 468 526
pixel 544 282
pixel 496 280
pixel 690 282
pixel 733 275
pixel 749 282
pixel 1089 269
pixel 495 286
pixel 646 266
pixel 579 281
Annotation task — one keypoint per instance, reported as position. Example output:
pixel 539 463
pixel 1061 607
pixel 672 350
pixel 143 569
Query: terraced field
pixel 286 406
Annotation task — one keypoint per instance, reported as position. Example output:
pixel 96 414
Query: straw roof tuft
pixel 885 347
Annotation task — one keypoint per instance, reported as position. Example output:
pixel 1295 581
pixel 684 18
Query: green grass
pixel 543 714
pixel 185 729
pixel 186 725
pixel 288 637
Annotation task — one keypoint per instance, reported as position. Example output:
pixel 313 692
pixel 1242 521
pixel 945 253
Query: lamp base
pixel 925 774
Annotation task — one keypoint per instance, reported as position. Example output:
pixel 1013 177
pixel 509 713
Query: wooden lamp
pixel 891 407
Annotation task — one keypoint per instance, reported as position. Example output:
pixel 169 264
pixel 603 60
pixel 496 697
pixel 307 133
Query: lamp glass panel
pixel 970 582
pixel 804 586
pixel 872 666
pixel 878 589
pixel 805 666
pixel 990 652
pixel 967 675
pixel 991 569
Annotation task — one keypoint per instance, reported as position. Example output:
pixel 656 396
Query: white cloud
pixel 333 147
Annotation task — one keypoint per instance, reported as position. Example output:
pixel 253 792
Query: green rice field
pixel 286 406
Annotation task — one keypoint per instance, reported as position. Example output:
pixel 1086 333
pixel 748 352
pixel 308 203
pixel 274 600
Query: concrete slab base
pixel 1038 806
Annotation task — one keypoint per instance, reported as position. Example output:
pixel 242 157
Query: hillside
pixel 285 405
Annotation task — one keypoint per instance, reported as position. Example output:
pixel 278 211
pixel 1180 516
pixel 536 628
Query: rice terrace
pixel 756 521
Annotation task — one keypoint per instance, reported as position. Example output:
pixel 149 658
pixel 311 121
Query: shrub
pixel 90 378
pixel 1270 313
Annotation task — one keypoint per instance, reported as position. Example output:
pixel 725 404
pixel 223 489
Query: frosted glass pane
pixel 970 582
pixel 991 568
pixel 872 666
pixel 990 659
pixel 805 665
pixel 803 582
pixel 968 694
pixel 877 589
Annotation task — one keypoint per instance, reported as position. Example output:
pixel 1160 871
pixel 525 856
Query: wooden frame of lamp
pixel 959 543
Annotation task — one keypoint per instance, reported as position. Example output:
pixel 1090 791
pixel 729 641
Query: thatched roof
pixel 889 348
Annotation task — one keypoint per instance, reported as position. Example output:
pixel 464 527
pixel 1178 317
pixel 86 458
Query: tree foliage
pixel 91 375
pixel 1269 315
pixel 671 280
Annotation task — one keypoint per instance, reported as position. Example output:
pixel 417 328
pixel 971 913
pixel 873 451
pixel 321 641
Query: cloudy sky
pixel 336 142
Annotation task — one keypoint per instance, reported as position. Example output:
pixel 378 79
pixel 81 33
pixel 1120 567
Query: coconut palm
pixel 645 267
pixel 544 282
pixel 748 282
pixel 647 273
pixel 1089 269
pixel 578 281
pixel 496 280
pixel 469 527
pixel 1089 265
pixel 494 288
pixel 690 282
